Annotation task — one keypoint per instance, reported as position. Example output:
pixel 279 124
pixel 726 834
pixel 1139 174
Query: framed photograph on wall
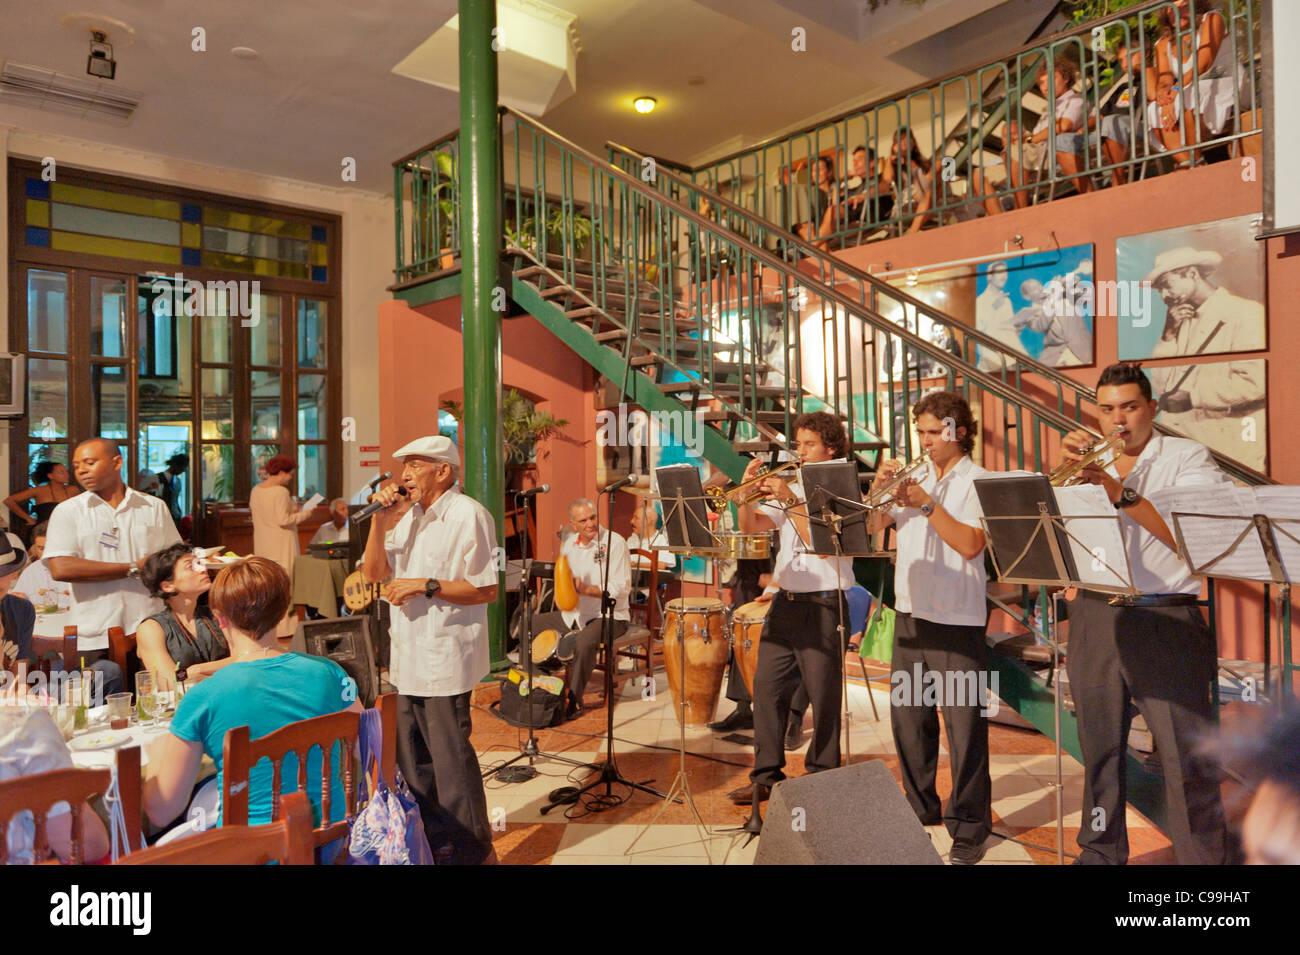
pixel 1194 290
pixel 1222 404
pixel 1040 305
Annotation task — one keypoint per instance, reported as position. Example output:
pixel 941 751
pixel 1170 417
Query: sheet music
pixel 1094 536
pixel 1282 504
pixel 1204 539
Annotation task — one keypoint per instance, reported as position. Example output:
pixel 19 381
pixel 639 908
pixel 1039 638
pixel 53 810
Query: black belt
pixel 812 595
pixel 1142 600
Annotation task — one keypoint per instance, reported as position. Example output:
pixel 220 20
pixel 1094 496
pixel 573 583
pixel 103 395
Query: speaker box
pixel 855 815
pixel 347 641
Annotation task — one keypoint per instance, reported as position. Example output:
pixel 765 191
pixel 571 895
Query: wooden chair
pixel 637 642
pixel 66 648
pixel 38 792
pixel 387 706
pixel 287 841
pixel 240 755
pixel 121 650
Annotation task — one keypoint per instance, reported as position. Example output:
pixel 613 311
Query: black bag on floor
pixel 539 709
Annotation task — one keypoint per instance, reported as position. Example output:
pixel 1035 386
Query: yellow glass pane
pixel 244 263
pixel 118 248
pixel 117 202
pixel 320 254
pixel 248 222
pixel 38 213
pixel 191 235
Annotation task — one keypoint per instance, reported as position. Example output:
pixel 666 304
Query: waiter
pixel 801 640
pixel 585 551
pixel 437 544
pixel 939 588
pixel 1155 649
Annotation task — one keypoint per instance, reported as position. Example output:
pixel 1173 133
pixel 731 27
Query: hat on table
pixel 435 447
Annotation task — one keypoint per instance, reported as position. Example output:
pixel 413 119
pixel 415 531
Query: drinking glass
pixel 146 701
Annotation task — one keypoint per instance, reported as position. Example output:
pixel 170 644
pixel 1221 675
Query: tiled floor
pixel 641 831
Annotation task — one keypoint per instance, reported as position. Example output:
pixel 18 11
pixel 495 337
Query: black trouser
pixel 800 642
pixel 440 766
pixel 578 651
pixel 922 646
pixel 1162 658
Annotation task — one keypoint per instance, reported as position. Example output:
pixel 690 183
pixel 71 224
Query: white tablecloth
pixel 134 735
pixel 52 624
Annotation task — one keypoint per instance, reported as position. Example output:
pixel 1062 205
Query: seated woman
pixel 262 688
pixel 17 615
pixel 184 636
pixel 30 743
pixel 1025 155
pixel 1199 62
pixel 908 175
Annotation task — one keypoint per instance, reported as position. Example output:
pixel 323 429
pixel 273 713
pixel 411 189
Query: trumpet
pixel 881 497
pixel 1103 453
pixel 719 498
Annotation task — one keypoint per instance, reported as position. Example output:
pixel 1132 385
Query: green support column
pixel 480 243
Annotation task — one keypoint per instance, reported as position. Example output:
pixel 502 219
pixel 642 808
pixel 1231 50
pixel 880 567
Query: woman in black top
pixel 51 486
pixel 185 636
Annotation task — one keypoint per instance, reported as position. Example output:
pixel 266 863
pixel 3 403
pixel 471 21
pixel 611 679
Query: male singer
pixel 1155 649
pixel 437 544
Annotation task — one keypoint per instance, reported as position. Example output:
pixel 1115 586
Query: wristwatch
pixel 927 509
pixel 133 572
pixel 431 588
pixel 1128 497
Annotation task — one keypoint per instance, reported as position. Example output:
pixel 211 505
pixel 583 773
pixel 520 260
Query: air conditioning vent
pixel 38 88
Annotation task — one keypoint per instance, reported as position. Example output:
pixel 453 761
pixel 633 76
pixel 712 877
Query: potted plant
pixel 522 426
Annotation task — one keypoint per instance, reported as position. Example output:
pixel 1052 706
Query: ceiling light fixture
pixel 644 104
pixel 100 62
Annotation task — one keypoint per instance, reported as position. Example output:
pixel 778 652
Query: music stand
pixel 686 520
pixel 1029 544
pixel 1238 560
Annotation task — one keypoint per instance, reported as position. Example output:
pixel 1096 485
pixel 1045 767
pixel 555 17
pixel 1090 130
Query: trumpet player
pixel 1155 649
pixel 802 639
pixel 941 617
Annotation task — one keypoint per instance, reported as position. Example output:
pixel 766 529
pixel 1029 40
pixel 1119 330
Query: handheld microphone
pixel 540 489
pixel 374 507
pixel 621 482
pixel 383 477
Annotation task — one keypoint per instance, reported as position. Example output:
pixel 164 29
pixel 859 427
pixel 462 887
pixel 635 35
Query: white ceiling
pixel 322 88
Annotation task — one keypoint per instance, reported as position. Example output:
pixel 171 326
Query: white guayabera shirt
pixel 587 562
pixel 85 526
pixel 440 648
pixel 797 570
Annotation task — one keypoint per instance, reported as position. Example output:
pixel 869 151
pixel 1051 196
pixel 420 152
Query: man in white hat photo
pixel 434 548
pixel 1209 401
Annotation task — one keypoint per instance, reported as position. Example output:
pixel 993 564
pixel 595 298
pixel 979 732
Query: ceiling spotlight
pixel 644 104
pixel 100 62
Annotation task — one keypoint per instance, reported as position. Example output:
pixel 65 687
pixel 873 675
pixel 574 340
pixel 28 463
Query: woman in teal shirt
pixel 263 688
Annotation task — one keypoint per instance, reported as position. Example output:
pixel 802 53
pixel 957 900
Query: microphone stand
pixel 530 751
pixel 607 772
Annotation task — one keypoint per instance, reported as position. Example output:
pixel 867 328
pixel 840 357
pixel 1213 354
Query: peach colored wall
pixel 1204 194
pixel 421 365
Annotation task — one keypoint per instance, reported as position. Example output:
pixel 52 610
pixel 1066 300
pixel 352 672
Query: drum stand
pixel 681 787
pixel 531 752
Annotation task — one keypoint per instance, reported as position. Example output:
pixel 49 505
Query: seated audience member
pixel 184 636
pixel 335 530
pixel 1199 60
pixel 646 535
pixel 1120 120
pixel 858 201
pixel 262 688
pixel 909 176
pixel 31 743
pixel 17 615
pixel 1025 164
pixel 35 582
pixel 1266 761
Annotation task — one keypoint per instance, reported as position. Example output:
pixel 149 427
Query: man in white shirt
pixel 995 315
pixel 801 641
pixel 335 530
pixel 437 545
pixel 646 535
pixel 35 583
pixel 98 542
pixel 585 551
pixel 941 617
pixel 1155 649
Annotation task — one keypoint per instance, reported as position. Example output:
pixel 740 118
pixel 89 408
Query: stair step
pixel 613 335
pixel 556 291
pixel 720 388
pixel 759 444
pixel 719 368
pixel 764 417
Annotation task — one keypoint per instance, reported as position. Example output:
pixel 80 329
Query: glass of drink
pixel 119 710
pixel 146 698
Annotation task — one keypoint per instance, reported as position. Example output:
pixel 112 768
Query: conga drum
pixel 702 625
pixel 746 632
